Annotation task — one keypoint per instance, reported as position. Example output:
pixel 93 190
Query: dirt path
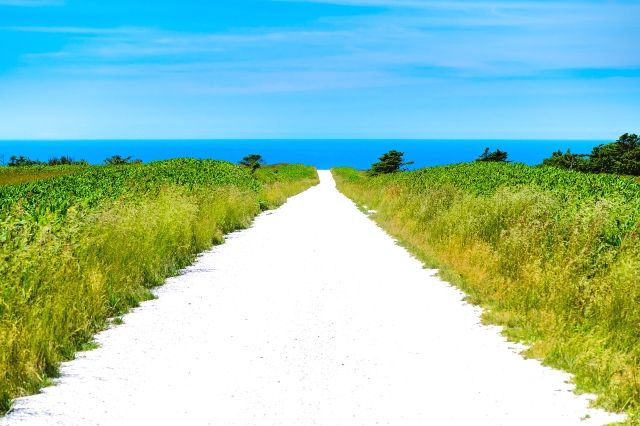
pixel 312 317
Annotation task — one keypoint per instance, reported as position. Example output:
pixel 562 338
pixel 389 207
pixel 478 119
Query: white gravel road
pixel 314 316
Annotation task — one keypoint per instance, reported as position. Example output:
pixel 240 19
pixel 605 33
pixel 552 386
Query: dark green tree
pixel 65 160
pixel 19 161
pixel 118 160
pixel 620 157
pixel 497 156
pixel 567 160
pixel 254 161
pixel 391 162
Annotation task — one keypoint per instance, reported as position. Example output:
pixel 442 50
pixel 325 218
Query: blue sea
pixel 321 153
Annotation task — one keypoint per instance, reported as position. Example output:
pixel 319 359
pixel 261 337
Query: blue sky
pixel 74 69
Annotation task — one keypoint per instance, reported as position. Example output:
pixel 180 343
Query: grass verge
pixel 66 270
pixel 551 256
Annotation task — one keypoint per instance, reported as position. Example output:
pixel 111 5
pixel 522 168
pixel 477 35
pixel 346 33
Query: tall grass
pixel 62 278
pixel 558 268
pixel 280 181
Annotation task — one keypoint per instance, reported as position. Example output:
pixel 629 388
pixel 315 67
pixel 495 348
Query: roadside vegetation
pixel 21 169
pixel 552 255
pixel 280 181
pixel 87 246
pixel 620 157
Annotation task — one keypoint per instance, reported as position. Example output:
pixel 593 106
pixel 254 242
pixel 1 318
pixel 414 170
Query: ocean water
pixel 321 153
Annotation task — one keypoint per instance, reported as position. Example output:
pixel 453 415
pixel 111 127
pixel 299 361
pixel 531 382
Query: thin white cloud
pixel 393 48
pixel 421 57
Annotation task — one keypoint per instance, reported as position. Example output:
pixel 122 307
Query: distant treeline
pixel 20 161
pixel 65 160
pixel 621 157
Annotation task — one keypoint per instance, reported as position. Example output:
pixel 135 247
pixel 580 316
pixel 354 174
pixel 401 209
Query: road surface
pixel 314 316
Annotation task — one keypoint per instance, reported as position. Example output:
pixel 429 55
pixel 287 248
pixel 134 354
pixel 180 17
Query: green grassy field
pixel 552 255
pixel 15 175
pixel 81 248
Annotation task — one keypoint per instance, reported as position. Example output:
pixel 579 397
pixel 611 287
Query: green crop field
pixel 552 255
pixel 14 175
pixel 87 245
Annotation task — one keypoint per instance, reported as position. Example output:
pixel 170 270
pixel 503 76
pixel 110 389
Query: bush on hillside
pixel 20 161
pixel 497 155
pixel 118 160
pixel 391 162
pixel 254 161
pixel 65 160
pixel 621 157
pixel 567 160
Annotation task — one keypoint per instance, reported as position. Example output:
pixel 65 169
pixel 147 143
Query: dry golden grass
pixel 16 175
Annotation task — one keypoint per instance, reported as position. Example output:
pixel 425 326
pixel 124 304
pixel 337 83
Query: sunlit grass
pixel 65 274
pixel 559 269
